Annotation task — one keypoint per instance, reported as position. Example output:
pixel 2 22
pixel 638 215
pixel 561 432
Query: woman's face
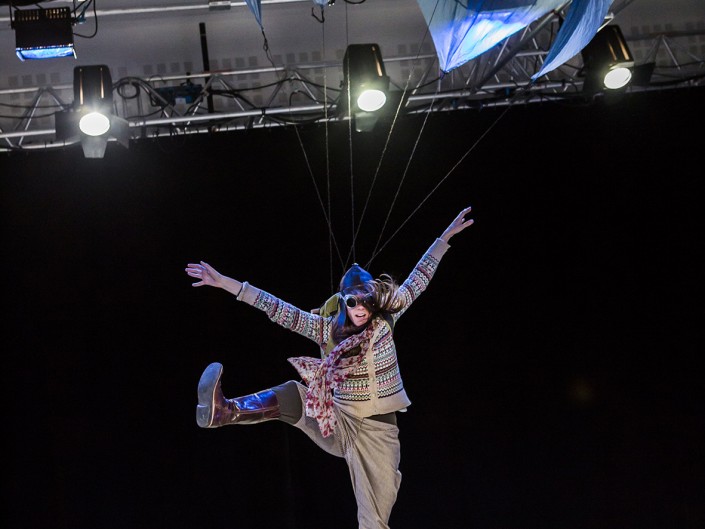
pixel 359 314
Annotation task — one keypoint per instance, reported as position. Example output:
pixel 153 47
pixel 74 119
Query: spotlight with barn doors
pixel 607 61
pixel 365 83
pixel 91 118
pixel 44 33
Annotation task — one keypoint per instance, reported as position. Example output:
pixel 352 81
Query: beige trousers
pixel 371 450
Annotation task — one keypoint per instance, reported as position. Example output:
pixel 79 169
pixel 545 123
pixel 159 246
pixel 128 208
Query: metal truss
pixel 296 94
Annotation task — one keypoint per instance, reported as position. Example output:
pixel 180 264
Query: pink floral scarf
pixel 324 376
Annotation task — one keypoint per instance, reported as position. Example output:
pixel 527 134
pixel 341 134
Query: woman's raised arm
pixel 209 276
pixel 458 225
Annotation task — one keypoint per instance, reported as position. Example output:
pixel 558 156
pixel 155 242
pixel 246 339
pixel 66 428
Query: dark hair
pixel 377 295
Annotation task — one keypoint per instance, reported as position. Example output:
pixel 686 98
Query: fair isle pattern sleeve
pixel 311 326
pixel 417 282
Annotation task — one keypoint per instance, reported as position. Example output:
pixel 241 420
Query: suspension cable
pixel 455 166
pixel 328 198
pixel 326 207
pixel 389 137
pixel 346 69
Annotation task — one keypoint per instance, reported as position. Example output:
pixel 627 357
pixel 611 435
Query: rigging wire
pixel 384 150
pixel 325 113
pixel 346 68
pixel 326 216
pixel 435 188
pixel 325 207
pixel 332 243
pixel 379 248
pixel 356 229
pixel 389 136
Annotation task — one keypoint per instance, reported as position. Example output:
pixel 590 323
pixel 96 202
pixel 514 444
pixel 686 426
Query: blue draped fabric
pixel 581 23
pixel 256 8
pixel 463 29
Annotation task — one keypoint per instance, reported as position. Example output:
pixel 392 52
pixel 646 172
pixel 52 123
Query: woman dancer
pixel 351 394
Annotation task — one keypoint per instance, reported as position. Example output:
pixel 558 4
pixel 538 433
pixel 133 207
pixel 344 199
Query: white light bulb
pixel 617 78
pixel 371 100
pixel 94 124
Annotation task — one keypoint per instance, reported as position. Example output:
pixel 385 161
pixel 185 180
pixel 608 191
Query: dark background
pixel 552 364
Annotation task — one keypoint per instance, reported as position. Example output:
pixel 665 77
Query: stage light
pixel 365 84
pixel 43 33
pixel 94 124
pixel 607 61
pixel 91 119
pixel 371 99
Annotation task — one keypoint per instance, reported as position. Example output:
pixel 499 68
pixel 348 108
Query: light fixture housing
pixel 43 33
pixel 91 119
pixel 365 82
pixel 607 61
pixel 93 98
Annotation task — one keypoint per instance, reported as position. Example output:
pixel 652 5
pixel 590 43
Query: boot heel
pixel 205 409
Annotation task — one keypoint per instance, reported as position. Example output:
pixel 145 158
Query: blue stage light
pixel 43 33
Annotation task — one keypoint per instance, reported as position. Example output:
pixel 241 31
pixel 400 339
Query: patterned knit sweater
pixel 376 385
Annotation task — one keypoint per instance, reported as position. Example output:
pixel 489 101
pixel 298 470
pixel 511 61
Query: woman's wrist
pixel 231 285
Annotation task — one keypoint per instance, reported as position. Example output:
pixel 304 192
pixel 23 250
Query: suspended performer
pixel 352 393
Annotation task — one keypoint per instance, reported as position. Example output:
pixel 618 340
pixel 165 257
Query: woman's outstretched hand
pixel 458 224
pixel 209 276
pixel 205 273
